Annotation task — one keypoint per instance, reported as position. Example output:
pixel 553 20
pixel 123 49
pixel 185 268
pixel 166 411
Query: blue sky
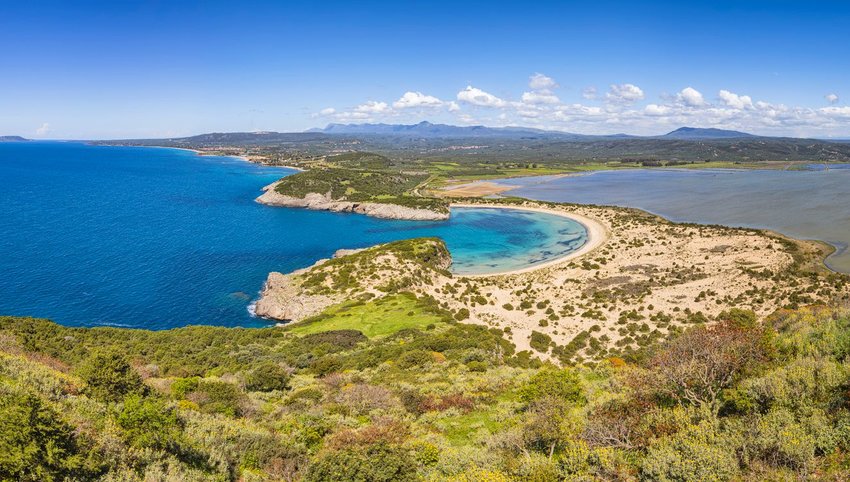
pixel 124 69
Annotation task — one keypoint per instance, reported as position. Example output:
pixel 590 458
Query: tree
pixel 110 377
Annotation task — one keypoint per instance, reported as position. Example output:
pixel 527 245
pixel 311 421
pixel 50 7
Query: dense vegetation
pixel 741 399
pixel 362 185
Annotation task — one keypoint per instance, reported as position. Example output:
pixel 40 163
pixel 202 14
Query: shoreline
pixel 597 235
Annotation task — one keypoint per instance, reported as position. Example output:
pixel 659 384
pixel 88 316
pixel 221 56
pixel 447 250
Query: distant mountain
pixel 695 133
pixel 12 139
pixel 427 129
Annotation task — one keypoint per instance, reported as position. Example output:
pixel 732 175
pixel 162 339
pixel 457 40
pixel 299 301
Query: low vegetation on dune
pixel 740 399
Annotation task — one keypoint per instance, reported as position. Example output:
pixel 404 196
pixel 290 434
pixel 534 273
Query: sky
pixel 169 68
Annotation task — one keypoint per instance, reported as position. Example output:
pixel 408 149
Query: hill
pixel 13 139
pixel 701 133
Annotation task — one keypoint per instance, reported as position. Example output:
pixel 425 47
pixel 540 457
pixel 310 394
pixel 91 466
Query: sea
pixel 157 238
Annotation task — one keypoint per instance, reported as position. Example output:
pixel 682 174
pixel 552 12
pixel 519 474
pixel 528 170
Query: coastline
pixel 597 235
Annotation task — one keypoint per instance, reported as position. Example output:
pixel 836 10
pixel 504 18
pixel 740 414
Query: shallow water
pixel 157 238
pixel 811 204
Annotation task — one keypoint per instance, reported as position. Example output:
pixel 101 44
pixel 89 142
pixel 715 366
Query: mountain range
pixel 427 129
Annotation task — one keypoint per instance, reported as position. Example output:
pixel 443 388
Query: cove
pixel 158 238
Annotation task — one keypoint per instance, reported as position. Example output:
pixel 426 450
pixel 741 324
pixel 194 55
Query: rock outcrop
pixel 414 265
pixel 323 202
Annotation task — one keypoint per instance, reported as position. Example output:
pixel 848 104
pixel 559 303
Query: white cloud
pixel 475 96
pixel 43 130
pixel 416 99
pixel 736 101
pixel 691 97
pixel 540 97
pixel 540 107
pixel 624 93
pixel 539 81
pixel 372 107
pixel 656 110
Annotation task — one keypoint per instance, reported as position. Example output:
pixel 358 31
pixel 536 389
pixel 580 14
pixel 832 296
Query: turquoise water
pixel 157 238
pixel 811 204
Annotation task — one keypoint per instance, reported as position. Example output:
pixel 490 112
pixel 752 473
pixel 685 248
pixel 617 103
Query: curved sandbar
pixel 597 234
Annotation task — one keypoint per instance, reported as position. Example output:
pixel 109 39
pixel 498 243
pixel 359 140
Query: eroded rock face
pixel 282 299
pixel 323 202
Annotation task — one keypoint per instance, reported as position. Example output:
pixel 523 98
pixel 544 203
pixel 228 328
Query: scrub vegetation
pixel 742 399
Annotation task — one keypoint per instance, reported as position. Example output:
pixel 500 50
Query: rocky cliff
pixel 323 202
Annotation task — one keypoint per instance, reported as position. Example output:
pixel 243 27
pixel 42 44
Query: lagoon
pixel 809 204
pixel 158 238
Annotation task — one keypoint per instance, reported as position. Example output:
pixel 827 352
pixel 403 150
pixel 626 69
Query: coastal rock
pixel 415 265
pixel 323 202
pixel 282 299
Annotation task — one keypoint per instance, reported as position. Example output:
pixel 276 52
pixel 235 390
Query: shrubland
pixel 739 399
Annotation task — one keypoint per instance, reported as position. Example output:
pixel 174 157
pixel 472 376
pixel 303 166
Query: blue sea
pixel 158 238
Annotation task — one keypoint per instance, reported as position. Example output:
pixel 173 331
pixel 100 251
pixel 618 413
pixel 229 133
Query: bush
pixel 148 423
pixel 696 453
pixel 414 358
pixel 213 396
pixel 267 377
pixel 377 463
pixel 562 384
pixel 540 341
pixel 36 444
pixel 109 377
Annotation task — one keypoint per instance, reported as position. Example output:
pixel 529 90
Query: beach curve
pixel 597 234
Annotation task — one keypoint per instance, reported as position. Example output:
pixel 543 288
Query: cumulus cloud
pixel 607 112
pixel 372 107
pixel 690 97
pixel 736 101
pixel 540 97
pixel 539 81
pixel 43 130
pixel 656 110
pixel 475 96
pixel 416 99
pixel 624 93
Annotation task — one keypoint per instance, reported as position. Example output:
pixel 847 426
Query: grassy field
pixel 374 319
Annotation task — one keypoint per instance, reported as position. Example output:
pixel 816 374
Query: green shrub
pixel 148 423
pixel 559 383
pixel 109 376
pixel 376 463
pixel 267 377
